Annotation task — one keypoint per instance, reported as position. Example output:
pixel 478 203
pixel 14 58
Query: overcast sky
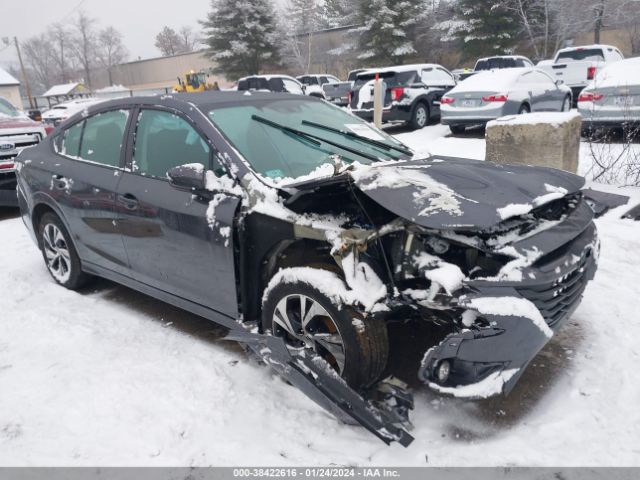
pixel 138 20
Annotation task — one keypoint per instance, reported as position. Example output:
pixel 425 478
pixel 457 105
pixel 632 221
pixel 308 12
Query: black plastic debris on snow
pixel 633 214
pixel 602 202
pixel 312 375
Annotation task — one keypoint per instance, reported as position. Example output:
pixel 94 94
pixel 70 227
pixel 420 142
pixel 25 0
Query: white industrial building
pixel 10 88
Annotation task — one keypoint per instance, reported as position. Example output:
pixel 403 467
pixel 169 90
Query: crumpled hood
pixel 452 193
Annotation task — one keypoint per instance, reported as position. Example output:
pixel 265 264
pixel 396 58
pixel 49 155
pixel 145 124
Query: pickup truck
pixel 338 93
pixel 17 132
pixel 576 67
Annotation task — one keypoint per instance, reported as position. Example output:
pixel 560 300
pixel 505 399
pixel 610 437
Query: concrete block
pixel 545 139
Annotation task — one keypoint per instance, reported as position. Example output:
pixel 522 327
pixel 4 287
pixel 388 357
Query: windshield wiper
pixel 370 141
pixel 306 135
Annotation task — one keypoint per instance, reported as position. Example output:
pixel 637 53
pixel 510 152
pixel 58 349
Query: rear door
pixel 177 242
pixel 84 180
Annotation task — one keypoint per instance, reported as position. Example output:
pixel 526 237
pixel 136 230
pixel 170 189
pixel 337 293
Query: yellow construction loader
pixel 194 82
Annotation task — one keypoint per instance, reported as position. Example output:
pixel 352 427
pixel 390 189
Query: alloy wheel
pixel 421 116
pixel 56 252
pixel 303 323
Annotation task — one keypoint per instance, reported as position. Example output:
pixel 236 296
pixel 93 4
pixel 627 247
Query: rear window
pixel 592 54
pixel 353 75
pixel 7 109
pixel 273 84
pixel 497 63
pixel 391 79
pixel 308 80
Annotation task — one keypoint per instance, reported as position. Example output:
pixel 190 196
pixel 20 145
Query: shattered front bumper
pixel 513 322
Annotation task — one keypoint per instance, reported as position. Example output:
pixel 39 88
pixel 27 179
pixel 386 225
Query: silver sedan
pixel 496 93
pixel 613 98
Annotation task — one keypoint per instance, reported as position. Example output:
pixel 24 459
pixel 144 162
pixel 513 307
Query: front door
pixel 176 241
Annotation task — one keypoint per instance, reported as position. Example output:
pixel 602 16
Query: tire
pixel 364 346
pixel 420 117
pixel 59 253
pixel 524 109
pixel 457 129
pixel 566 104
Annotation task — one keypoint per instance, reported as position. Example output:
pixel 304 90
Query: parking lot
pixel 110 376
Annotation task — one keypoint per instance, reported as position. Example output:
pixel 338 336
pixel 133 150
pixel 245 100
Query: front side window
pixel 276 153
pixel 103 137
pixel 164 140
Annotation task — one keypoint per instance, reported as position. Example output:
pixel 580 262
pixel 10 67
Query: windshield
pixel 7 109
pixel 593 54
pixel 278 154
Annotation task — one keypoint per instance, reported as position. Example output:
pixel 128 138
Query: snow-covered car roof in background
pixel 623 72
pixel 268 77
pixel 67 109
pixel 493 80
pixel 503 56
pixel 586 47
pixel 402 68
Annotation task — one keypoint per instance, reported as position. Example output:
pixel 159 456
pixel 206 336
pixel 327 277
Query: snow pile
pixel 439 272
pixel 555 119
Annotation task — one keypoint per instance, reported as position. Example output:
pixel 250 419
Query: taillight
pixel 447 100
pixel 591 73
pixel 48 129
pixel 4 166
pixel 397 93
pixel 501 97
pixel 350 97
pixel 590 97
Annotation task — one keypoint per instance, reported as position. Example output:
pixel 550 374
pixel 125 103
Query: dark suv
pixel 286 214
pixel 412 93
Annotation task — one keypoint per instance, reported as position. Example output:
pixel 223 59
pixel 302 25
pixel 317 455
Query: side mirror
pixel 559 82
pixel 190 177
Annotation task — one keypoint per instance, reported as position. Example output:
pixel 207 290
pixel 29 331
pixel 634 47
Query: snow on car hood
pixel 458 193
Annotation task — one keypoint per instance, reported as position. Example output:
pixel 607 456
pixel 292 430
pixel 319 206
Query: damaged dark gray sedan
pixel 307 232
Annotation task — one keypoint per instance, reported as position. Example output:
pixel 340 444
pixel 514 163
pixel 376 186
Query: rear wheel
pixel 59 253
pixel 524 109
pixel 305 318
pixel 420 117
pixel 566 104
pixel 457 129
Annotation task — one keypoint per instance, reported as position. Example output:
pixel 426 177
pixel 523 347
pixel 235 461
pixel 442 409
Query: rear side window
pixel 391 79
pixel 164 140
pixel 103 137
pixel 70 141
pixel 593 54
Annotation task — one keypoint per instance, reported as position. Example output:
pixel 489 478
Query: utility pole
pixel 24 73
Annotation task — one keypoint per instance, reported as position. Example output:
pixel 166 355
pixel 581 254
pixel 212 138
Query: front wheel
pixel 305 318
pixel 566 104
pixel 59 253
pixel 420 117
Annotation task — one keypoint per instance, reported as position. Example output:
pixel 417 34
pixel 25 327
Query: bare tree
pixel 189 40
pixel 84 44
pixel 110 51
pixel 168 42
pixel 39 57
pixel 60 39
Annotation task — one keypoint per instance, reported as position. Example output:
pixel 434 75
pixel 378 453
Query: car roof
pixel 401 68
pixel 203 101
pixel 503 56
pixel 587 47
pixel 266 77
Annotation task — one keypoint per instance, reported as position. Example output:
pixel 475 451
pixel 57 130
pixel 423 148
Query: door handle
pixel 129 201
pixel 58 182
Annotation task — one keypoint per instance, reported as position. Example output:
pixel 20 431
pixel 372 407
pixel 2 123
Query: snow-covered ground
pixel 112 377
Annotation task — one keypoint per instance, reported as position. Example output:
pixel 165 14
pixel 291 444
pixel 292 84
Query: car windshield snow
pixel 288 139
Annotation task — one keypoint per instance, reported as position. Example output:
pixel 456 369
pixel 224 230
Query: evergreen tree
pixel 241 36
pixel 303 15
pixel 387 31
pixel 486 28
pixel 339 13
